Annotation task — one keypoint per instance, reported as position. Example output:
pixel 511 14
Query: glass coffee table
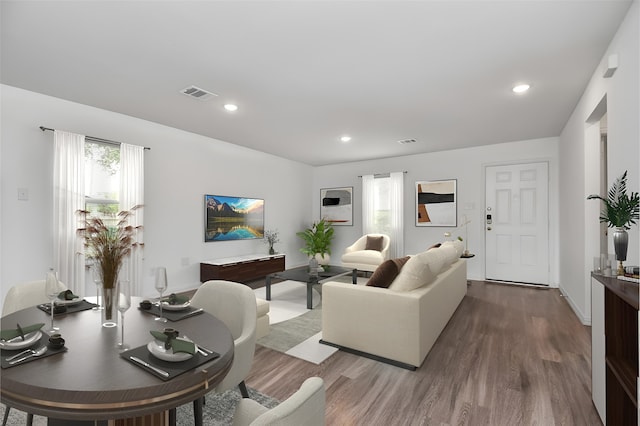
pixel 302 274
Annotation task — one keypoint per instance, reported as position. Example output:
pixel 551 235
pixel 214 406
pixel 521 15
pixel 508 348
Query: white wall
pixel 578 227
pixel 465 165
pixel 179 169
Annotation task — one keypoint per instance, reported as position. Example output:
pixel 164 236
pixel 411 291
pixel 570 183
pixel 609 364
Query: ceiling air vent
pixel 406 141
pixel 197 93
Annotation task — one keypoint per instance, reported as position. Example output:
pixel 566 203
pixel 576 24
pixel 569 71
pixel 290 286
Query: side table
pixel 468 256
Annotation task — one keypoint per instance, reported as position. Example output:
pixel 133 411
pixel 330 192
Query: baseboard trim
pixel 371 356
pixel 532 285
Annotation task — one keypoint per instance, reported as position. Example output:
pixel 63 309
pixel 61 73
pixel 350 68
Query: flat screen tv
pixel 233 218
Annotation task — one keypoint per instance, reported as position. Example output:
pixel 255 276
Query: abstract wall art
pixel 336 205
pixel 436 203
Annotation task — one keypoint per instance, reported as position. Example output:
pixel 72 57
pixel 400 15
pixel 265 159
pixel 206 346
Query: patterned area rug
pixel 217 411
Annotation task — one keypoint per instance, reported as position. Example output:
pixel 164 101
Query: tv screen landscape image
pixel 233 218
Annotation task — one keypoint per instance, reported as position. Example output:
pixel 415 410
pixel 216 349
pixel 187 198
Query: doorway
pixel 517 223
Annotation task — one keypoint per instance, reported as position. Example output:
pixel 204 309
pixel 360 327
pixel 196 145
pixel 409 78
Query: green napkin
pixel 11 333
pixel 67 295
pixel 175 299
pixel 178 345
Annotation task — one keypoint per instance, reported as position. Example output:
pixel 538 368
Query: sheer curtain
pixel 68 198
pixel 132 195
pixel 368 205
pixel 396 217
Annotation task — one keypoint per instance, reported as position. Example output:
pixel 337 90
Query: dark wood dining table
pixel 91 381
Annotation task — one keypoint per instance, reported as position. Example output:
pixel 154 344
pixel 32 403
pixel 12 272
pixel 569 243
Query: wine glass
pixel 124 303
pixel 97 279
pixel 161 286
pixel 52 289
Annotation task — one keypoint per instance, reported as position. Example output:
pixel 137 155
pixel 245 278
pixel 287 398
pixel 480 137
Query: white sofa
pixel 399 324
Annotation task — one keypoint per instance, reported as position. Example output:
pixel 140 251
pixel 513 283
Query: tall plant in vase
pixel 620 212
pixel 108 246
pixel 317 240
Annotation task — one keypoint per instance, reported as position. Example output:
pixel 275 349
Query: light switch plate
pixel 23 194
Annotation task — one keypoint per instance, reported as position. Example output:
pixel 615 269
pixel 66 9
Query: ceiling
pixel 304 73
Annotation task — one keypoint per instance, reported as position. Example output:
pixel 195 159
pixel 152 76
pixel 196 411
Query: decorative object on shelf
pixel 336 205
pixel 271 237
pixel 436 203
pixel 108 246
pixel 620 212
pixel 317 240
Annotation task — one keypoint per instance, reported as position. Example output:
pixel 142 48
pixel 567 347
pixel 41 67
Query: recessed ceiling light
pixel 231 107
pixel 521 88
pixel 345 138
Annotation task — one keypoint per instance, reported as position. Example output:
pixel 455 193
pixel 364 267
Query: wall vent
pixel 406 141
pixel 197 93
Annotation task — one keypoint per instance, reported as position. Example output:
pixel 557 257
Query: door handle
pixel 488 228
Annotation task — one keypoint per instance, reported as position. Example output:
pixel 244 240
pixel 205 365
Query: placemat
pixel 82 306
pixel 172 315
pixel 44 340
pixel 173 368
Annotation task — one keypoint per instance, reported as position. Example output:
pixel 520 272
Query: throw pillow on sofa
pixel 418 271
pixel 450 252
pixel 387 272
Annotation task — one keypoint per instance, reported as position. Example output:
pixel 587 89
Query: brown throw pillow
pixel 387 272
pixel 434 246
pixel 374 243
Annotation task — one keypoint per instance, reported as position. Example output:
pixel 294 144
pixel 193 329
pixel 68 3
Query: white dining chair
pixel 21 296
pixel 304 408
pixel 234 304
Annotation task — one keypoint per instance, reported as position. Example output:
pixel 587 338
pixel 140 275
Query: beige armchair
pixel 305 407
pixel 367 253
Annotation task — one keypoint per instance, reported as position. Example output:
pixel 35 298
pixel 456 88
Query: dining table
pixel 91 379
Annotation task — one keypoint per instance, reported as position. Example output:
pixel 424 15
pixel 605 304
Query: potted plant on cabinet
pixel 317 240
pixel 620 212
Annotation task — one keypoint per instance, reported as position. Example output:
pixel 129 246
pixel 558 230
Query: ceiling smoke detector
pixel 407 141
pixel 197 93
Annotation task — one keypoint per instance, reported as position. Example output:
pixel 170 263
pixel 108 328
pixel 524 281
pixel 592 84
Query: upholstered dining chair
pixel 235 305
pixel 304 408
pixel 367 253
pixel 21 296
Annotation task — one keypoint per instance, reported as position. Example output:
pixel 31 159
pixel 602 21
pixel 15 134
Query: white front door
pixel 517 223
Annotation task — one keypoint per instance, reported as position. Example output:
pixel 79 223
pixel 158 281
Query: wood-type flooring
pixel 509 356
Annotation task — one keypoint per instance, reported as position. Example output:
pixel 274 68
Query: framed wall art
pixel 436 203
pixel 336 205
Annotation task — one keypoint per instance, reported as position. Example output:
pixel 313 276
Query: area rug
pixel 296 330
pixel 217 411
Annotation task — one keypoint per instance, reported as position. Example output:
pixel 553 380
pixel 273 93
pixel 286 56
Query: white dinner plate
pixel 17 343
pixel 179 307
pixel 71 302
pixel 157 349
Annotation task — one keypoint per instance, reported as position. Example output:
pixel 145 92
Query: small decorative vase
pixel 109 318
pixel 271 250
pixel 620 243
pixel 313 266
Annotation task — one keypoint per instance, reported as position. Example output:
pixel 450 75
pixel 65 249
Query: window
pixel 382 205
pixel 102 181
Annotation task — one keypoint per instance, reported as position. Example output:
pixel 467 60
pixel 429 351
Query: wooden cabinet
pixel 620 307
pixel 241 268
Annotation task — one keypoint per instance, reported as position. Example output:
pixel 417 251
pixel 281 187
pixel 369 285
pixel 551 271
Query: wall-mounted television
pixel 233 218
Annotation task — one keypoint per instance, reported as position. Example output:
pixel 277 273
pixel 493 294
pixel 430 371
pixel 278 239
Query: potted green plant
pixel 317 240
pixel 620 212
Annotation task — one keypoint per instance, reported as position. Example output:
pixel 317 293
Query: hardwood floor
pixel 509 356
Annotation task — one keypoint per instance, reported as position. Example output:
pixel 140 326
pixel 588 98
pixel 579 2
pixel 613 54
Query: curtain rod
pixel 93 138
pixel 382 174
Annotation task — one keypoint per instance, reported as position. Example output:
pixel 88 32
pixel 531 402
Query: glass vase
pixel 109 309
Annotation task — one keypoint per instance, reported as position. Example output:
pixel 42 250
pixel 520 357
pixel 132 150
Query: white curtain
pixel 132 195
pixel 368 205
pixel 68 198
pixel 396 191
